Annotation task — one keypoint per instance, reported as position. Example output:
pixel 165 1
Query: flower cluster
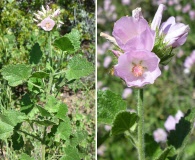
pixel 140 47
pixel 160 135
pixel 48 18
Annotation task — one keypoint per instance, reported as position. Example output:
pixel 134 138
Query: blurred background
pixel 174 90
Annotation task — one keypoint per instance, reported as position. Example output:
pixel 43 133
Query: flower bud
pixel 175 33
pixel 158 17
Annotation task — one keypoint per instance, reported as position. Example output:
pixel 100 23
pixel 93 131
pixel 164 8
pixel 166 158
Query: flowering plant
pixel 37 117
pixel 140 49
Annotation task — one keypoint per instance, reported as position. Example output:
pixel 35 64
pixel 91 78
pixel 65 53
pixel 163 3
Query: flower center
pixel 138 70
pixel 47 25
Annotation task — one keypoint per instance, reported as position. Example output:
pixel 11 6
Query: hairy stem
pixel 31 135
pixel 42 152
pixel 140 112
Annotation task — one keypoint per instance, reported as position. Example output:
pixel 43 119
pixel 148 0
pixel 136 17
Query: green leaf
pixel 69 42
pixel 64 43
pixel 40 74
pixel 25 156
pixel 26 104
pixel 12 117
pixel 71 153
pixel 6 130
pixel 151 147
pixel 64 130
pixel 78 67
pixel 61 114
pixel 177 136
pixel 109 104
pixel 43 111
pixel 165 153
pixel 78 137
pixel 17 141
pixel 16 74
pixel 74 37
pixel 123 121
pixel 35 54
pixel 52 105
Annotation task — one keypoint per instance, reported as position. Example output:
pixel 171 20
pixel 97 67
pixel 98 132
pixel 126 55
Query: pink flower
pixel 138 68
pixel 47 24
pixel 132 33
pixel 186 8
pixel 126 2
pixel 189 62
pixel 48 16
pixel 160 135
pixel 192 15
pixel 171 121
pixel 107 61
pixel 127 92
pixel 175 34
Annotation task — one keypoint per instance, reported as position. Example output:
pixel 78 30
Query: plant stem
pixel 42 152
pixel 30 135
pixel 140 112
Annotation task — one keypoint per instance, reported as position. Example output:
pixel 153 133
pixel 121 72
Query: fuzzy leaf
pixel 43 111
pixel 177 136
pixel 123 121
pixel 78 67
pixel 52 106
pixel 61 114
pixel 78 137
pixel 16 74
pixel 35 54
pixel 109 104
pixel 71 153
pixel 65 44
pixel 12 117
pixel 74 37
pixel 64 130
pixel 6 130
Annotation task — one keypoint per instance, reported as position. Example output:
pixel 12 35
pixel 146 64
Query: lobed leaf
pixel 64 44
pixel 71 153
pixel 64 130
pixel 69 42
pixel 16 74
pixel 109 104
pixel 123 121
pixel 78 67
pixel 61 114
pixel 74 37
